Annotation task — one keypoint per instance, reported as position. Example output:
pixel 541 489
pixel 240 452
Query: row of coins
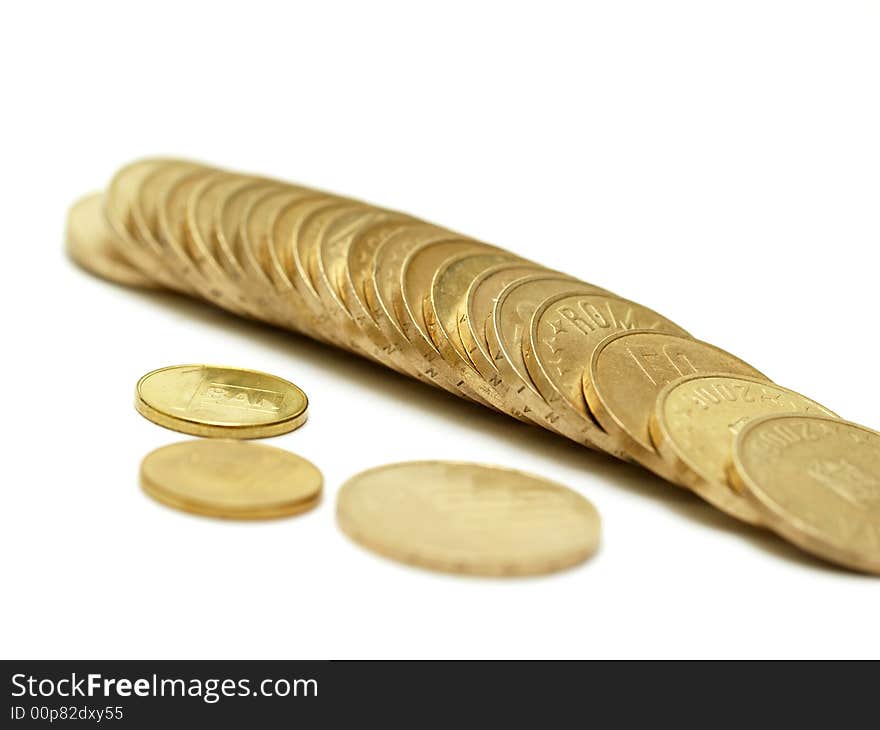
pixel 454 312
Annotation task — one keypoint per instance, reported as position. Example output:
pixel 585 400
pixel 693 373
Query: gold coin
pixel 626 374
pixel 201 241
pixel 383 294
pixel 252 242
pixel 505 330
pixel 479 300
pixel 694 424
pixel 90 244
pixel 119 204
pixel 209 400
pixel 468 518
pixel 816 483
pixel 145 213
pixel 172 235
pixel 327 268
pixel 293 288
pixel 228 217
pixel 353 284
pixel 445 300
pixel 416 276
pixel 563 333
pixel 308 241
pixel 231 479
pixel 441 312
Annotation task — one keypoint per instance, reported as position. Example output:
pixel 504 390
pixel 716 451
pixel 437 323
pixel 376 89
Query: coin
pixel 171 227
pixel 89 242
pixel 231 479
pixel 694 424
pixel 444 303
pixel 505 330
pixel 288 280
pixel 329 264
pixel 201 241
pixel 383 289
pixel 442 310
pixel 416 275
pixel 563 333
pixel 119 202
pixel 228 216
pixel 210 400
pixel 816 483
pixel 252 242
pixel 468 518
pixel 626 374
pixel 307 243
pixel 145 214
pixel 356 282
pixel 479 300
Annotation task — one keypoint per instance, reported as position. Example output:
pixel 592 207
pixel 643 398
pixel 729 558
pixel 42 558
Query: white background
pixel 719 162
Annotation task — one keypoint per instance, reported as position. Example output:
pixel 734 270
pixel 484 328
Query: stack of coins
pixel 475 320
pixel 218 476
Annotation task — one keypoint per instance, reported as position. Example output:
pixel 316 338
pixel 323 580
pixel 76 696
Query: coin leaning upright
pixel 816 481
pixel 628 370
pixel 90 242
pixel 224 402
pixel 695 422
pixel 562 335
pixel 231 479
pixel 468 518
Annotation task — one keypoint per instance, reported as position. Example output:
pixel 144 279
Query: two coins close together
pixel 494 328
pixel 219 476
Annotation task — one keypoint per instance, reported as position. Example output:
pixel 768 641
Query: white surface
pixel 719 162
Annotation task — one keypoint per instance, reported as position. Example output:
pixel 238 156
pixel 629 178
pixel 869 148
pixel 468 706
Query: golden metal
pixel 306 250
pixel 231 479
pixel 227 228
pixel 454 312
pixel 468 518
pixel 90 243
pixel 356 280
pixel 479 300
pixel 328 272
pixel 293 289
pixel 695 422
pixel 119 201
pixel 144 214
pixel 563 333
pixel 251 246
pixel 382 292
pixel 626 374
pixel 223 402
pixel 201 242
pixel 172 230
pixel 816 483
pixel 505 330
pixel 416 277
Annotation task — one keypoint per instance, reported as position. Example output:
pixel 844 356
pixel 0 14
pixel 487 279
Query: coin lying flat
pixel 626 374
pixel 468 518
pixel 90 244
pixel 694 424
pixel 816 482
pixel 231 479
pixel 210 400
